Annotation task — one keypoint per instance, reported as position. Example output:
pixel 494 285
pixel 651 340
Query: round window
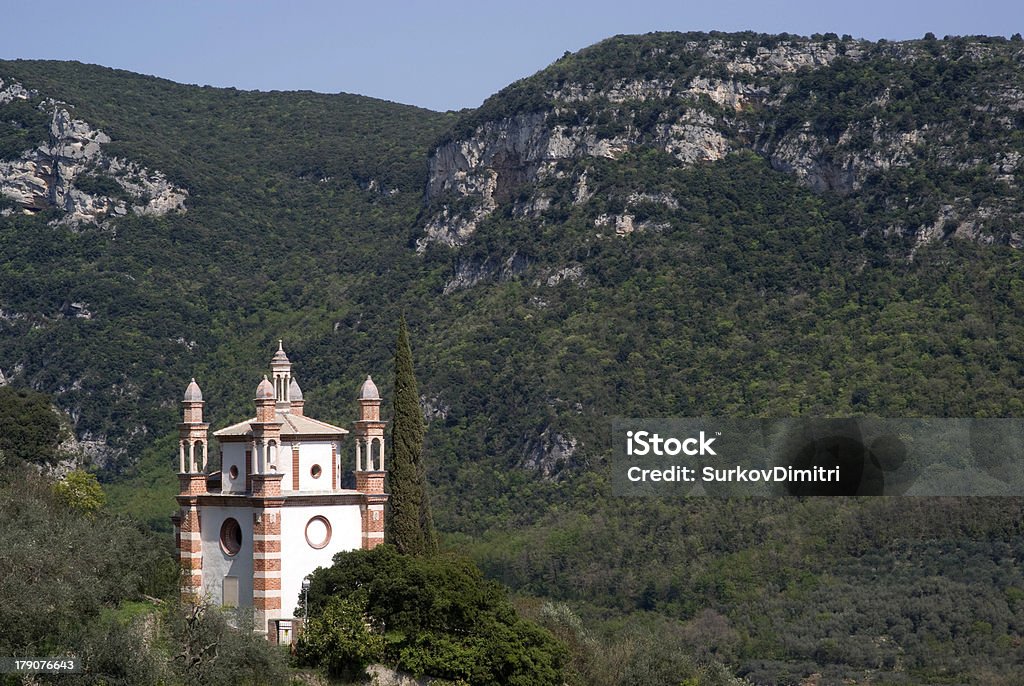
pixel 316 471
pixel 230 536
pixel 318 532
pixel 233 472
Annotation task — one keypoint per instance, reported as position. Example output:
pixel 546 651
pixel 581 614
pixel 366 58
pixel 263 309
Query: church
pixel 249 534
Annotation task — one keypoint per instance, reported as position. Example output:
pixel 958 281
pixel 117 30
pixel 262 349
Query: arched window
pixel 375 453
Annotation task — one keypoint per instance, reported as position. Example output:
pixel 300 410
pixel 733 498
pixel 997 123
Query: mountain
pixel 107 304
pixel 865 122
pixel 659 225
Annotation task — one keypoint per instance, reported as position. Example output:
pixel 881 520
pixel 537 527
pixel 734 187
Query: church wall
pixel 298 558
pixel 216 563
pixel 234 456
pixel 310 453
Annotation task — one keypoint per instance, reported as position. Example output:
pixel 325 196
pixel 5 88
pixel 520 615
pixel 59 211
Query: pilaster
pixel 266 550
pixel 372 511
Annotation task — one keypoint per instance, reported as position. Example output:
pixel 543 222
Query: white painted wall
pixel 299 559
pixel 216 563
pixel 234 455
pixel 310 453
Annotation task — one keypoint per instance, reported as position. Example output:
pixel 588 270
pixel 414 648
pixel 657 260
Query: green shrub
pixel 432 616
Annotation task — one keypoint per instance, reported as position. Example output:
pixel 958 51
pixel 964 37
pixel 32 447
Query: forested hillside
pixel 672 224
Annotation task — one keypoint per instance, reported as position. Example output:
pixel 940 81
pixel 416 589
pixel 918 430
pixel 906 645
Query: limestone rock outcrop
pixel 71 173
pixel 701 100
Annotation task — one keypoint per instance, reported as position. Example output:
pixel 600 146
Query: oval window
pixel 230 536
pixel 318 532
pixel 233 472
pixel 316 471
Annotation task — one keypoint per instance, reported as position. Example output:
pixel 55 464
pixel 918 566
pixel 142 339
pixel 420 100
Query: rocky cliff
pixel 69 171
pixel 845 117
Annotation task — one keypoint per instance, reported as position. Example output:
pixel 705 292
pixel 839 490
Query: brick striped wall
pixel 190 554
pixel 266 565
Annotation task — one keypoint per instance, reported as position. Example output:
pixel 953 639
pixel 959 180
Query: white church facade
pixel 249 534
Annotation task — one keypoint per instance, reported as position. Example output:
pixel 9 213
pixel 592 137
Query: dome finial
pixel 192 392
pixel 294 392
pixel 265 391
pixel 280 357
pixel 369 390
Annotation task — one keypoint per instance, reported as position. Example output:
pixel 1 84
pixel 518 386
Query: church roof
pixel 294 392
pixel 291 425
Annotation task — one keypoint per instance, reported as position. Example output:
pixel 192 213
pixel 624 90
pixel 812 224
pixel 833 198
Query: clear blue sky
pixel 441 54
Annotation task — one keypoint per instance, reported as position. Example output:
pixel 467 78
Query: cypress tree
pixel 410 525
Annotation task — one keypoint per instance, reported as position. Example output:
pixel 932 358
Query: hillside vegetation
pixel 672 224
pixel 81 582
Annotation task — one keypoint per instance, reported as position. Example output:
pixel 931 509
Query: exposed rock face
pixel 625 223
pixel 499 158
pixel 470 273
pixel 843 167
pixel 434 408
pixel 550 453
pixel 571 274
pixel 92 450
pixel 14 91
pixel 701 100
pixel 70 172
pixel 502 156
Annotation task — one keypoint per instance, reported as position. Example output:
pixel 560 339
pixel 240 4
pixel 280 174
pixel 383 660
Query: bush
pixel 81 491
pixel 340 639
pixel 433 616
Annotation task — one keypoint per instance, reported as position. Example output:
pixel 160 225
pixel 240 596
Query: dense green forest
pixel 750 293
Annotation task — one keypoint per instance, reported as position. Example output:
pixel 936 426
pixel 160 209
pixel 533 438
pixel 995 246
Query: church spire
pixel 281 369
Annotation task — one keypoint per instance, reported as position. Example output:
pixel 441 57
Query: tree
pixel 59 570
pixel 340 639
pixel 81 491
pixel 29 428
pixel 410 525
pixel 428 615
pixel 212 647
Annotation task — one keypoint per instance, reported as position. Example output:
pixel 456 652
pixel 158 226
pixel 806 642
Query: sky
pixel 440 55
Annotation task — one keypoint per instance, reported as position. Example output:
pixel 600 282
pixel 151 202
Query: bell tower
pixel 281 370
pixel 192 452
pixel 192 432
pixel 267 501
pixel 369 472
